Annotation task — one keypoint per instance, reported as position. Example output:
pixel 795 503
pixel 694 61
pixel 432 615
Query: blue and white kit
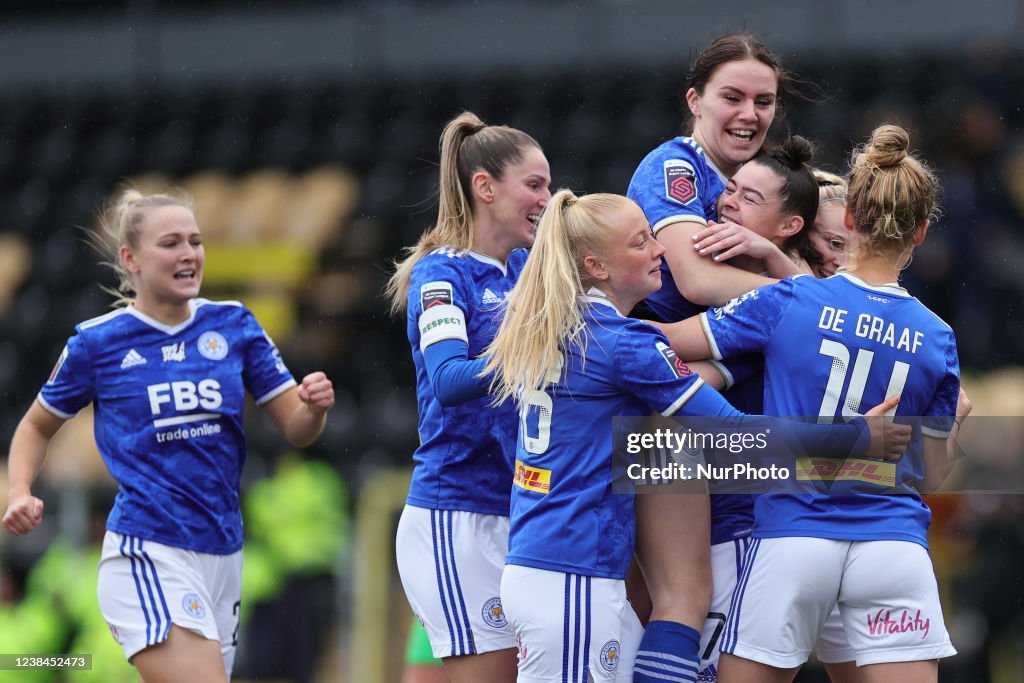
pixel 453 534
pixel 169 403
pixel 572 538
pixel 464 461
pixel 832 348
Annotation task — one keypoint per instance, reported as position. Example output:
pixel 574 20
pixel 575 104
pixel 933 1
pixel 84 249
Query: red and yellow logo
pixel 852 469
pixel 532 478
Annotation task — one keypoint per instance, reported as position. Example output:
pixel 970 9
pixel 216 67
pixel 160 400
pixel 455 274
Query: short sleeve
pixel 938 417
pixel 438 300
pixel 71 385
pixel 648 368
pixel 671 184
pixel 745 324
pixel 265 374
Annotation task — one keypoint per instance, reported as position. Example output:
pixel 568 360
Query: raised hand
pixel 317 392
pixel 24 513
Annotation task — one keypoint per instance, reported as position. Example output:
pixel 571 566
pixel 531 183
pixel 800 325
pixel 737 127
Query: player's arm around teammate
pixel 568 356
pixel 168 373
pixel 844 532
pixel 732 93
pixel 731 97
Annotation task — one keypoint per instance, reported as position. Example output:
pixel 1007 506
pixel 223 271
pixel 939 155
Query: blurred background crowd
pixel 307 135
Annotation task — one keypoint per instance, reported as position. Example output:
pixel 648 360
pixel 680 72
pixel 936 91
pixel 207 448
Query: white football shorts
pixel 726 560
pixel 145 586
pixel 450 563
pixel 567 625
pixel 886 591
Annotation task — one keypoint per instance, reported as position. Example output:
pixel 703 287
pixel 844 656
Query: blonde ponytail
pixel 544 314
pixel 467 145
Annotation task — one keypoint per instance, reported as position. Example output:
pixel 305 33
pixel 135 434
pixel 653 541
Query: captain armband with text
pixel 441 319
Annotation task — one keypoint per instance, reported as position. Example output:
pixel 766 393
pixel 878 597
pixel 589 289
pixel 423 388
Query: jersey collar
pixel 167 329
pixel 707 157
pixel 596 296
pixel 893 288
pixel 489 261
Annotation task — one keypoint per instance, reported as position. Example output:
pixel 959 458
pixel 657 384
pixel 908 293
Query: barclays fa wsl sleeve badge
pixel 680 181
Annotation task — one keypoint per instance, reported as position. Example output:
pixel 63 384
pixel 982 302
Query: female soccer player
pixel 870 337
pixel 453 533
pixel 829 235
pixel 767 207
pixel 572 360
pixel 167 374
pixel 830 240
pixel 732 93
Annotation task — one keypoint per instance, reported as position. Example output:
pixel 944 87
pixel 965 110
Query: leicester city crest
pixel 213 345
pixel 193 606
pixel 493 615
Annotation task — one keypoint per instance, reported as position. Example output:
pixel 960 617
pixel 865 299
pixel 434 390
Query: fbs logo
pixel 185 395
pixel 131 359
pixel 532 478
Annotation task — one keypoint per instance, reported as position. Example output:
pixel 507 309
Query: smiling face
pixel 732 116
pixel 519 198
pixel 627 262
pixel 751 199
pixel 830 238
pixel 166 264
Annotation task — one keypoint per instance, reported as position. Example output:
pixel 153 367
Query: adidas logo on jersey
pixel 131 359
pixel 490 297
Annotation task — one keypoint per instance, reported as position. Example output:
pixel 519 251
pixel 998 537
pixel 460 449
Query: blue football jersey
pixel 565 515
pixel 464 461
pixel 833 348
pixel 168 408
pixel 676 181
